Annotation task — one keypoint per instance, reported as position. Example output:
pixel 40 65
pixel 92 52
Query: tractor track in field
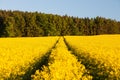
pixel 90 66
pixel 45 59
pixel 61 61
pixel 39 64
pixel 79 57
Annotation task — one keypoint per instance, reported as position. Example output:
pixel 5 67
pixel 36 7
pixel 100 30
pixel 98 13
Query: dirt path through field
pixel 39 64
pixel 62 65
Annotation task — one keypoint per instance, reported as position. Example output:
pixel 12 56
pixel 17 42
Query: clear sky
pixel 80 8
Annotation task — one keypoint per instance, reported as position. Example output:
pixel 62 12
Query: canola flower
pixel 19 54
pixel 101 54
pixel 62 66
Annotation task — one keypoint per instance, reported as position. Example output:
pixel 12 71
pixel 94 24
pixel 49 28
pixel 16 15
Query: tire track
pixel 89 63
pixel 62 65
pixel 39 64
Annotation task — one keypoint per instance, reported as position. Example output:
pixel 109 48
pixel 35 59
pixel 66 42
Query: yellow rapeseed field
pixel 19 54
pixel 100 54
pixel 70 58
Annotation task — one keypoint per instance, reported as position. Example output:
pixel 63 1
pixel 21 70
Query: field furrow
pixel 99 54
pixel 20 57
pixel 62 65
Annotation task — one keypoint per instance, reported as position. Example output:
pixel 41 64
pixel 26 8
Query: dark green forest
pixel 34 24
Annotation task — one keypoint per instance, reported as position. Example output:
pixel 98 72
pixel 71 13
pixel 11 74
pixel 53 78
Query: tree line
pixel 34 24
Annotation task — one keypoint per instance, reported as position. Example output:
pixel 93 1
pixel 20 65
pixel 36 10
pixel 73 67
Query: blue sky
pixel 80 8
